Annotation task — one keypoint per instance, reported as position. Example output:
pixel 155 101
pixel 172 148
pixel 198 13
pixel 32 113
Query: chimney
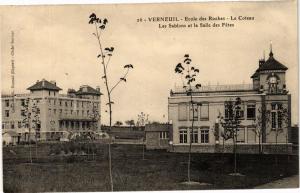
pixel 261 62
pixel 98 88
pixel 53 82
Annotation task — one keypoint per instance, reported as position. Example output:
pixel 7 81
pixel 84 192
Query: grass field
pixel 159 171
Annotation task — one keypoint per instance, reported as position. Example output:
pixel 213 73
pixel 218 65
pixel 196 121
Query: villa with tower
pixel 268 91
pixel 46 114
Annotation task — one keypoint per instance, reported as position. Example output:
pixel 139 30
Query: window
pixel 273 114
pixel 164 135
pixel 6 113
pixel 195 112
pixel 273 82
pixel 240 112
pixel 49 93
pixel 54 101
pixel 183 136
pixel 77 112
pixel 229 110
pixel 71 103
pixel 54 111
pixel 194 135
pixel 240 138
pixel 71 112
pixel 66 103
pixel 49 111
pixel 82 112
pixel 3 125
pixel 59 102
pixel 87 112
pixel 19 124
pixel 251 111
pixel 23 113
pixel 12 125
pixel 204 111
pixel 7 103
pixel 77 104
pixel 276 116
pixel 82 104
pixel 182 112
pixel 279 116
pixel 60 111
pixel 204 135
pixel 23 102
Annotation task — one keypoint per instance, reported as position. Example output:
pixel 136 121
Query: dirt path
pixel 289 182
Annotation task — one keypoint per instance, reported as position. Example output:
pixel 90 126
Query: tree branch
pixel 119 81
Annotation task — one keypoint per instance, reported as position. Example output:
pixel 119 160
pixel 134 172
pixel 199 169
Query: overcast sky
pixel 51 41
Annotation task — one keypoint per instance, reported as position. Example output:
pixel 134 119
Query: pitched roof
pixel 44 85
pixel 255 74
pixel 272 64
pixel 84 90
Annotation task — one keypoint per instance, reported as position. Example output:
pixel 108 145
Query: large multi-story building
pixel 268 91
pixel 47 114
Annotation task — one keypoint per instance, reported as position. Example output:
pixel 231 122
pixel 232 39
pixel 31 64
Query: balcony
pixel 74 117
pixel 6 95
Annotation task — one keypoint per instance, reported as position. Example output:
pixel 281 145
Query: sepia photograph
pixel 150 96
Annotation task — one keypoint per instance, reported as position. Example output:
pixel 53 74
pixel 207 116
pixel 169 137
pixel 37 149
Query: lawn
pixel 159 171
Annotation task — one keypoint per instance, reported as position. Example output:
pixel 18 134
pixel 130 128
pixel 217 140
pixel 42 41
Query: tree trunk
pixel 29 142
pixel 143 150
pixel 191 140
pixel 110 138
pixel 234 150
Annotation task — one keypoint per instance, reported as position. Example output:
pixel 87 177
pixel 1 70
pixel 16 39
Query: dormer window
pixel 273 82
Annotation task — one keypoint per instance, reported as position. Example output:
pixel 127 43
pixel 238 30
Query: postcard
pixel 149 97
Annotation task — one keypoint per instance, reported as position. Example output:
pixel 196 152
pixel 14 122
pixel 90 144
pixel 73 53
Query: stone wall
pixel 241 148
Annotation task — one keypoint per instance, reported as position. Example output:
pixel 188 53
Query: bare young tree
pixel 262 118
pixel 231 124
pixel 142 119
pixel 189 73
pixel 283 122
pixel 95 117
pixel 31 119
pixel 36 124
pixel 105 57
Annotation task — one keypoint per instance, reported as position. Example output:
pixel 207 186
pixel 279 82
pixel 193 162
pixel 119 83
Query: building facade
pixel 49 115
pixel 157 135
pixel 267 93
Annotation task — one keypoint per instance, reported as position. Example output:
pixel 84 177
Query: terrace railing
pixel 216 88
